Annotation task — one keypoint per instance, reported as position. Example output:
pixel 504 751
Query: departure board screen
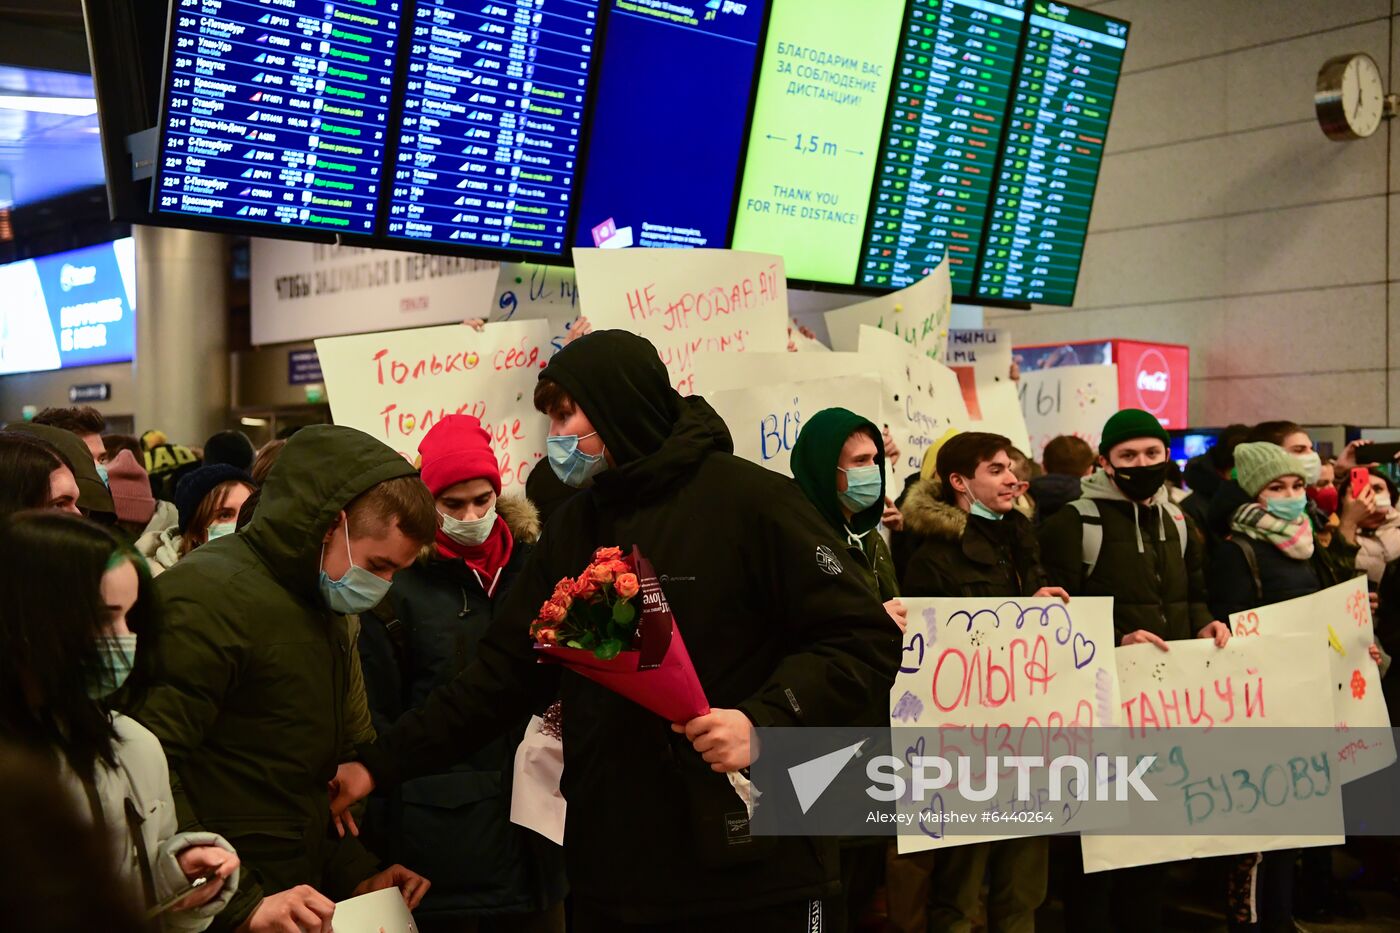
pixel 666 137
pixel 276 111
pixel 952 83
pixel 1054 145
pixel 492 120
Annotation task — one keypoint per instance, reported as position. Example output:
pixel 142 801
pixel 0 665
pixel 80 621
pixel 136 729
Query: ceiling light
pixel 68 106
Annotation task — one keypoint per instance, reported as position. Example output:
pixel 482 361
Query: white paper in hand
pixel 378 912
pixel 535 801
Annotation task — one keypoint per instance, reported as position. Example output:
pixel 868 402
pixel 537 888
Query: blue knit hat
pixel 199 483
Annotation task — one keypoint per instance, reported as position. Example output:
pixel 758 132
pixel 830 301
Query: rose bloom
pixel 619 567
pixel 607 553
pixel 547 636
pixel 552 612
pixel 601 573
pixel 627 585
pixel 584 589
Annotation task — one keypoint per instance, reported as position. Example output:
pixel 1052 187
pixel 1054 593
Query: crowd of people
pixel 250 683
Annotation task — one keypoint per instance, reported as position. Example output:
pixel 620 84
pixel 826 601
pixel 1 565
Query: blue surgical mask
pixel 1312 466
pixel 102 472
pixel 469 533
pixel 219 529
pixel 357 591
pixel 571 465
pixel 1290 509
pixel 864 486
pixel 118 657
pixel 981 511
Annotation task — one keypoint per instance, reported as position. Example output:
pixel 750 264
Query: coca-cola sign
pixel 1154 381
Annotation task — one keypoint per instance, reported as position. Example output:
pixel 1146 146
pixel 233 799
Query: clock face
pixel 1363 95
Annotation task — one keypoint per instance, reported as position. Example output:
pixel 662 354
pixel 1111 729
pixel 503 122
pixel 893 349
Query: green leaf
pixel 574 643
pixel 624 613
pixel 609 649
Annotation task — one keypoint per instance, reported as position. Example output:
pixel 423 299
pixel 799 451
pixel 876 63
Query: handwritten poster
pixel 528 291
pixel 922 399
pixel 1214 783
pixel 720 372
pixel 982 360
pixel 1074 400
pixel 918 315
pixel 396 385
pixel 687 301
pixel 765 420
pixel 378 912
pixel 998 677
pixel 1337 622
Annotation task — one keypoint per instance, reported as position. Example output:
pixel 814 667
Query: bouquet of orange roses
pixel 612 624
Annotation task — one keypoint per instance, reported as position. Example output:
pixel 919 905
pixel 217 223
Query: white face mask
pixel 1383 502
pixel 1312 466
pixel 469 533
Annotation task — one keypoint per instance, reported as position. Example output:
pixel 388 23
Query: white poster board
pixel 377 912
pixel 1056 679
pixel 922 400
pixel 1074 400
pixel 765 419
pixel 302 291
pixel 528 291
pixel 1251 683
pixel 1337 623
pixel 687 301
pixel 395 386
pixel 982 360
pixel 918 315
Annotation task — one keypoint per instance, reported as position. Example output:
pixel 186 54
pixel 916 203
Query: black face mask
pixel 1141 483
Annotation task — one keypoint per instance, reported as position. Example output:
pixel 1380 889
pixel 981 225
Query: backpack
pixel 1092 522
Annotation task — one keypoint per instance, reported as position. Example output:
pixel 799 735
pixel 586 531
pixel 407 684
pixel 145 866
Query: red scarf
pixel 488 559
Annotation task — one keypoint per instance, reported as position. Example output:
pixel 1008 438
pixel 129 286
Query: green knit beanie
pixel 1259 464
pixel 1130 424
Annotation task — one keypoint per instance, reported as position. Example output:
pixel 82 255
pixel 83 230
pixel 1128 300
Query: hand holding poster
pixel 982 360
pixel 999 677
pixel 922 400
pixel 687 301
pixel 395 386
pixel 1074 400
pixel 765 419
pixel 918 315
pixel 1337 622
pixel 1214 783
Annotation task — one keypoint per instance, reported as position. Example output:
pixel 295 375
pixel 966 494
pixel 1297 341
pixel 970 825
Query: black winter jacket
pixel 440 824
pixel 1140 565
pixel 962 555
pixel 776 623
pixel 1281 578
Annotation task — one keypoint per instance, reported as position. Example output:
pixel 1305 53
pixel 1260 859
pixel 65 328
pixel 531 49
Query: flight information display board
pixel 492 121
pixel 952 84
pixel 1054 146
pixel 277 112
pixel 823 85
pixel 666 136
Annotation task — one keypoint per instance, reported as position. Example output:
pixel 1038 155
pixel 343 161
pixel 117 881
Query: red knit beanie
pixel 456 450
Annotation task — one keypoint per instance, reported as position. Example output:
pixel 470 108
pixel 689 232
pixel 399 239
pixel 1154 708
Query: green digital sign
pixel 816 131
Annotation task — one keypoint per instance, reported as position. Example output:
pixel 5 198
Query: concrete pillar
pixel 181 369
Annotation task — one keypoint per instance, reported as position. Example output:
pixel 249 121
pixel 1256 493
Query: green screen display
pixel 816 131
pixel 1050 163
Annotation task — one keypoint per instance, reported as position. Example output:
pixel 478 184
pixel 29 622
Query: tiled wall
pixel 1226 220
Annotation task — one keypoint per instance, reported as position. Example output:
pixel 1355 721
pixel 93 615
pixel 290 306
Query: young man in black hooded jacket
pixel 782 632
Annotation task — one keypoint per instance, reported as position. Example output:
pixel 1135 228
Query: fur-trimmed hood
pixel 927 515
pixel 520 516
